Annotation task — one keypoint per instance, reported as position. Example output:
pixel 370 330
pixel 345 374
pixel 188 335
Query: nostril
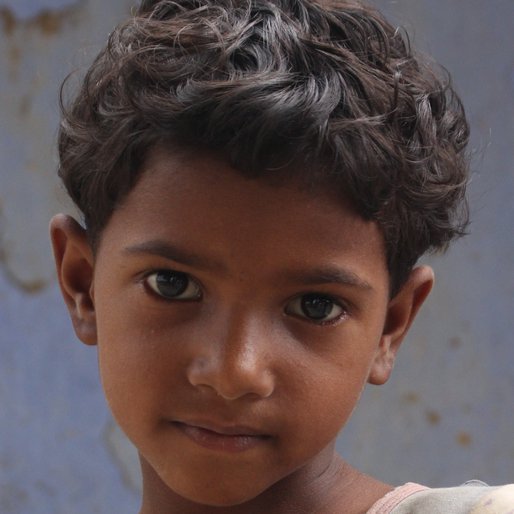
pixel 230 379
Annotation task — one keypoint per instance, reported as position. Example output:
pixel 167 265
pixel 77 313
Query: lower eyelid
pixel 340 317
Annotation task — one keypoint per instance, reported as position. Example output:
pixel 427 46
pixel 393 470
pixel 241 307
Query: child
pixel 258 180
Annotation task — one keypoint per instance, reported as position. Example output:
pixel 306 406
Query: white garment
pixel 471 498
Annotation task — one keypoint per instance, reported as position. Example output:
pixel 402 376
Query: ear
pixel 401 311
pixel 74 261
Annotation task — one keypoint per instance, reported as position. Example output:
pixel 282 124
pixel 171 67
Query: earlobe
pixel 401 311
pixel 75 264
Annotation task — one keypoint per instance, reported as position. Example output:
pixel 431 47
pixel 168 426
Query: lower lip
pixel 220 442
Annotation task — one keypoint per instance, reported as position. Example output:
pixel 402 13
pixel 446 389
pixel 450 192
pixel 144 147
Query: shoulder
pixel 471 498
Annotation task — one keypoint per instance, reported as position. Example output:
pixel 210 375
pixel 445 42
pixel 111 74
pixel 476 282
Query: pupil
pixel 317 307
pixel 171 284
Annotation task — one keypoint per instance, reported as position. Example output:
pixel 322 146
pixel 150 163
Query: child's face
pixel 237 323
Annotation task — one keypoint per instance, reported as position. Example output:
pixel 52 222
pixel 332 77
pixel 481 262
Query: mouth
pixel 230 439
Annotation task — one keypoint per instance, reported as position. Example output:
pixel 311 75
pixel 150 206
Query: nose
pixel 233 360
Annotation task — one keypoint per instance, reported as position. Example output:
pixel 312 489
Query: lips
pixel 224 438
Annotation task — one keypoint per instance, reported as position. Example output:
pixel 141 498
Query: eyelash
pixel 298 304
pixel 184 289
pixel 181 282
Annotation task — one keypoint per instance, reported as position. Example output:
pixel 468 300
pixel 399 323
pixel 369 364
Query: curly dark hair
pixel 332 88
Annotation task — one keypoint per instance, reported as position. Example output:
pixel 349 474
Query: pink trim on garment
pixel 391 500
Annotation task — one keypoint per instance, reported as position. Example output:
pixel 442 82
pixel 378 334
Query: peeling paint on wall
pixel 24 10
pixel 40 43
pixel 46 22
pixel 28 93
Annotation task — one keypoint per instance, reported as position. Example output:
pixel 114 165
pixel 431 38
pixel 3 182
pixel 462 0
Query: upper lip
pixel 223 428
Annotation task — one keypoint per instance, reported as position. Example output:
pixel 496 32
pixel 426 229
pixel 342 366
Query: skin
pixel 232 392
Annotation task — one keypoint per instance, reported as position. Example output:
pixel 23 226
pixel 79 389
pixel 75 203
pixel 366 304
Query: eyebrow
pixel 327 275
pixel 308 277
pixel 173 253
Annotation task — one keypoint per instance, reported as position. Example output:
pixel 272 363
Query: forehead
pixel 201 203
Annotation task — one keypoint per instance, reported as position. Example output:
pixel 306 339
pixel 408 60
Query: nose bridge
pixel 235 360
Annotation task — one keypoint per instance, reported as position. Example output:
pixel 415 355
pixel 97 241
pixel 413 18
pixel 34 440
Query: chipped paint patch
pixel 24 247
pixel 29 286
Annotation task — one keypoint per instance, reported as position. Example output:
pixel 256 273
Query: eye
pixel 315 307
pixel 173 285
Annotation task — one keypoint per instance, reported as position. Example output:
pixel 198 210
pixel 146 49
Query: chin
pixel 212 484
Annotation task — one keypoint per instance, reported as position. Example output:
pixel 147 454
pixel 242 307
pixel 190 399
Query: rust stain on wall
pixel 13 60
pixel 463 439
pixel 13 498
pixel 411 397
pixel 50 23
pixel 8 20
pixel 25 106
pixel 455 342
pixel 433 417
pixel 47 22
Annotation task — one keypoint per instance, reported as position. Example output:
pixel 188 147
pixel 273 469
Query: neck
pixel 335 487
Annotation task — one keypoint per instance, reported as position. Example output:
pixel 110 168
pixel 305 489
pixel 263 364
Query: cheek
pixel 131 371
pixel 325 396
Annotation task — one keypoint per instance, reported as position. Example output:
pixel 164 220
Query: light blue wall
pixel 448 413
